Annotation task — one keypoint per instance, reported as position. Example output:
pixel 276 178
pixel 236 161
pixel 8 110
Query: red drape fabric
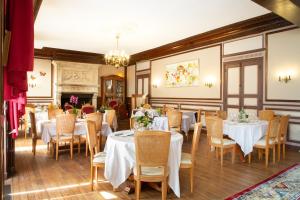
pixel 20 21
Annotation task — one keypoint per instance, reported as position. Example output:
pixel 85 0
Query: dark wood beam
pixel 36 7
pixel 69 55
pixel 287 9
pixel 251 26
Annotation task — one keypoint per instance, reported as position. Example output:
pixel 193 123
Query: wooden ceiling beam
pixel 36 7
pixel 287 9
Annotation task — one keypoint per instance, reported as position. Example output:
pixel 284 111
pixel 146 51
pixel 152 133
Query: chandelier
pixel 117 58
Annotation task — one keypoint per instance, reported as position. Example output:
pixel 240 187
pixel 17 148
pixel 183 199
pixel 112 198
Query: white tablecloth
pixel 48 129
pixel 191 114
pixel 245 134
pixel 161 123
pixel 115 121
pixel 120 159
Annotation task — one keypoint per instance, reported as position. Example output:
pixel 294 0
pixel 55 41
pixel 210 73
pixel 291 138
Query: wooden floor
pixel 41 177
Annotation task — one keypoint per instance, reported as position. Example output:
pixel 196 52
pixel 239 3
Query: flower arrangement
pixel 144 118
pixel 74 102
pixel 243 116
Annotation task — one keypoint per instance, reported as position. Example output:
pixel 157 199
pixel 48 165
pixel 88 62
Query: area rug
pixel 283 185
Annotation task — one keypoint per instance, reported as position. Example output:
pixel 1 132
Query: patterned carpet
pixel 284 185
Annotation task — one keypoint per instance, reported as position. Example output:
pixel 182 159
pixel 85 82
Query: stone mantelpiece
pixel 77 78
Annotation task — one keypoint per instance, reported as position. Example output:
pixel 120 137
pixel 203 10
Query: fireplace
pixel 82 98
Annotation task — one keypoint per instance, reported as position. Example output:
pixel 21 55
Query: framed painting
pixel 183 74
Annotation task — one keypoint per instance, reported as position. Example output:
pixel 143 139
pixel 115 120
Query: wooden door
pixel 143 84
pixel 243 86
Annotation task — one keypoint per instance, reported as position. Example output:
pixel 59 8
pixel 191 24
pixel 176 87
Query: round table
pixel 48 129
pixel 161 123
pixel 120 158
pixel 245 134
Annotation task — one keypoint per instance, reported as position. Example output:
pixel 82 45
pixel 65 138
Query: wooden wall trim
pixel 266 69
pixel 36 7
pixel 240 29
pixel 69 55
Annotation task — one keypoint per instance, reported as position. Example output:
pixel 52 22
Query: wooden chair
pixel 281 140
pixel 214 127
pixel 199 112
pixel 34 133
pixel 269 141
pixel 110 116
pixel 221 114
pixel 165 109
pixel 137 100
pixel 28 108
pixel 174 120
pixel 132 122
pixel 188 160
pixel 147 106
pixel 65 125
pixel 266 115
pixel 52 113
pixel 210 113
pixel 98 119
pixel 152 153
pixel 87 109
pixel 97 158
pixel 70 111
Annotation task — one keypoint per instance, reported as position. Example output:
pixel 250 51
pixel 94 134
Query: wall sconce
pixel 209 82
pixel 155 84
pixel 284 78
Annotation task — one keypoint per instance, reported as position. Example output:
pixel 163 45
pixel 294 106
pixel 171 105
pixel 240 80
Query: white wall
pixel 284 57
pixel 246 44
pixel 209 63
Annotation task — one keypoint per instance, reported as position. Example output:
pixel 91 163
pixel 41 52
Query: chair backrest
pixel 132 122
pixel 87 109
pixel 199 115
pixel 284 123
pixel 137 100
pixel 214 127
pixel 273 129
pixel 210 113
pixel 52 113
pixel 68 106
pixel 165 109
pixel 65 124
pixel 110 115
pixel 174 118
pixel 97 118
pixel 33 125
pixel 152 149
pixel 266 115
pixel 196 137
pixel 221 114
pixel 92 137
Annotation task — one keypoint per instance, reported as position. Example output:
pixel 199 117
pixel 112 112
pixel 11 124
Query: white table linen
pixel 245 134
pixel 161 123
pixel 120 159
pixel 191 114
pixel 48 129
pixel 115 121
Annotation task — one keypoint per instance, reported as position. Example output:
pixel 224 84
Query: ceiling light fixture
pixel 117 58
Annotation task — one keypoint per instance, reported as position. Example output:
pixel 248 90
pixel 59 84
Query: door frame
pixel 260 75
pixel 142 76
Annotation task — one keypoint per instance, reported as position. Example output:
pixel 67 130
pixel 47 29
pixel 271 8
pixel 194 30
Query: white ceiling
pixel 91 25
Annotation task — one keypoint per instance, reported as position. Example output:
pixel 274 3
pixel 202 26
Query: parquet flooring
pixel 41 177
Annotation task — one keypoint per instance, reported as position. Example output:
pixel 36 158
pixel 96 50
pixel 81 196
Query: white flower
pixel 139 114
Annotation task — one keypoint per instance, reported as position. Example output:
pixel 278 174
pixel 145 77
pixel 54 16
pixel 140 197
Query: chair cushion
pixel 186 158
pixel 151 171
pixel 99 157
pixel 262 142
pixel 225 141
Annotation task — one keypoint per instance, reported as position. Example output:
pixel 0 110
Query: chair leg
pixel 164 189
pixel 267 156
pixel 71 149
pixel 222 156
pixel 249 158
pixel 96 174
pixel 192 179
pixel 138 189
pixel 86 148
pixel 217 153
pixel 283 150
pixel 259 154
pixel 100 141
pixel 278 151
pixel 79 142
pixel 56 150
pixel 34 146
pixel 274 154
pixel 92 177
pixel 48 146
pixel 233 154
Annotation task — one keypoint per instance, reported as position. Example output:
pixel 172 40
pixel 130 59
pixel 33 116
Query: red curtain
pixel 20 22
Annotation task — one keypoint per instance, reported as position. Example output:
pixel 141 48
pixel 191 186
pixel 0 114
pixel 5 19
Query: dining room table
pixel 114 122
pixel 47 129
pixel 161 123
pixel 245 134
pixel 120 158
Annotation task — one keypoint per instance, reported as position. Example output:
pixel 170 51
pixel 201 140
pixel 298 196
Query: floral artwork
pixel 182 74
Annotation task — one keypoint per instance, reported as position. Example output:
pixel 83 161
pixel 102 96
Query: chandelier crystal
pixel 117 58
